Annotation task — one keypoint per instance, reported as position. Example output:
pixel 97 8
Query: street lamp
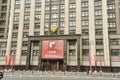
pixel 12 61
pixel 91 43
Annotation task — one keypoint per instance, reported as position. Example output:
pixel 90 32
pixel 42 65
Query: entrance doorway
pixel 53 65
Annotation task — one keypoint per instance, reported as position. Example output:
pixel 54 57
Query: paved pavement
pixel 51 75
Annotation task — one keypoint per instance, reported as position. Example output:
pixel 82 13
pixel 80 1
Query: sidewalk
pixel 60 73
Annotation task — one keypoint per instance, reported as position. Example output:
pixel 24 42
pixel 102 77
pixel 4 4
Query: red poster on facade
pixel 52 49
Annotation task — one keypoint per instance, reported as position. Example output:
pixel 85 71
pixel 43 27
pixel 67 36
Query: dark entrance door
pixel 53 65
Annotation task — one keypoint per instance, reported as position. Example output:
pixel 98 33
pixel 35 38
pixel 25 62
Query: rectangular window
pixel 17 10
pixel 35 52
pixel 99 41
pixel 114 41
pixel 72 23
pixel 111 24
pixel 84 4
pixel 98 3
pixel 98 22
pixel 26 26
pixel 15 26
pixel 37 8
pixel 85 13
pixel 17 2
pixel 85 23
pixel 115 52
pixel 14 35
pixel 37 25
pixel 27 9
pixel 24 43
pixel 111 6
pixel 37 16
pixel 98 12
pixel 111 15
pixel 85 42
pixel 98 32
pixel 25 34
pixel 85 32
pixel 24 52
pixel 72 5
pixel 72 14
pixel 71 31
pixel 85 52
pixel 27 1
pixel 72 52
pixel 14 44
pixel 36 43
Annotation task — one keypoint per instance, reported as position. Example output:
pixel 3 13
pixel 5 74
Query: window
pixel 62 15
pixel 26 17
pixel 85 52
pixel 2 53
pixel 14 35
pixel 37 16
pixel 72 42
pixel 24 52
pixel 111 6
pixel 111 24
pixel 17 2
pixel 4 1
pixel 2 22
pixel 54 7
pixel 99 52
pixel 37 8
pixel 72 23
pixel 27 1
pixel 111 15
pixel 114 41
pixel 47 0
pixel 72 5
pixel 98 3
pixel 36 33
pixel 62 6
pixel 3 15
pixel 27 9
pixel 72 52
pixel 14 44
pixel 71 31
pixel 46 25
pixel 98 32
pixel 85 32
pixel 26 26
pixel 36 43
pixel 85 42
pixel 17 10
pixel 37 1
pixel 47 7
pixel 2 30
pixel 16 18
pixel 84 4
pixel 47 16
pixel 62 32
pixel 98 22
pixel 37 25
pixel 98 12
pixel 24 43
pixel 3 44
pixel 15 26
pixel 115 52
pixel 4 8
pixel 54 23
pixel 35 52
pixel 72 14
pixel 62 24
pixel 54 15
pixel 85 13
pixel 25 34
pixel 85 23
pixel 99 41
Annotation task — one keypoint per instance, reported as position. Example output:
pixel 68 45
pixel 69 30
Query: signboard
pixel 52 49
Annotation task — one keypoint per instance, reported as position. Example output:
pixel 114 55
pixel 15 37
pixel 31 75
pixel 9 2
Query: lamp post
pixel 91 43
pixel 12 61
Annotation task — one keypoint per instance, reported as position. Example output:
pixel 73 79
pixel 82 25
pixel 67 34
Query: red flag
pixel 95 60
pixel 89 58
pixel 119 56
pixel 8 60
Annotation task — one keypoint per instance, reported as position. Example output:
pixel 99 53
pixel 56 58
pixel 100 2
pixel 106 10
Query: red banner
pixel 52 49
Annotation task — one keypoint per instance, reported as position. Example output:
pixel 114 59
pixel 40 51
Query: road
pixel 55 77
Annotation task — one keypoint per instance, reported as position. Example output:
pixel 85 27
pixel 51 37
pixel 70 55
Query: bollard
pixel 53 72
pixel 22 72
pixel 64 72
pixel 75 72
pixel 113 74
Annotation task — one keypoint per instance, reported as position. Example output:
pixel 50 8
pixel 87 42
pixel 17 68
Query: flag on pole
pixel 95 60
pixel 89 58
pixel 8 60
pixel 119 56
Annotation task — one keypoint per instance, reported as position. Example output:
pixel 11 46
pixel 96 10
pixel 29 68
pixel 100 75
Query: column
pixel 42 17
pixel 78 16
pixel 105 33
pixel 20 33
pixel 32 18
pixel 92 47
pixel 8 49
pixel 66 17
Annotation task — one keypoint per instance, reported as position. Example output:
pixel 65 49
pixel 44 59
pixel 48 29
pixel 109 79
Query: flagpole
pixel 12 61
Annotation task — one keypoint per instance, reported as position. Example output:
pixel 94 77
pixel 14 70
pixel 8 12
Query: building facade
pixel 89 29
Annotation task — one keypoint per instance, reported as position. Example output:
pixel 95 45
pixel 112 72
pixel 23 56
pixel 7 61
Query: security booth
pixel 1 75
pixel 56 52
